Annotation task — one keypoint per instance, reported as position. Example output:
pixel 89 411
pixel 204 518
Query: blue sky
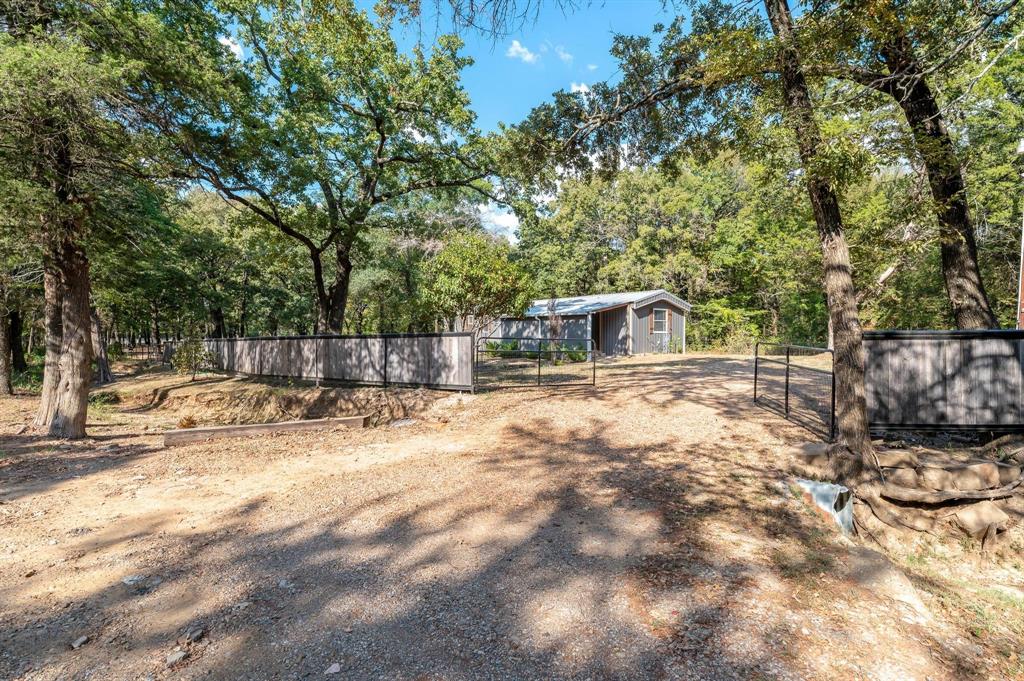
pixel 558 50
pixel 514 73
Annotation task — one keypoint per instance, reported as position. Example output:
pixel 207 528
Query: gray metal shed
pixel 635 322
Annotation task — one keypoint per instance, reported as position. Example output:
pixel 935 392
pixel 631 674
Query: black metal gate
pixel 798 382
pixel 510 362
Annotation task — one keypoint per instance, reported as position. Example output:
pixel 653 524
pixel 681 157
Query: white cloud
pixel 579 87
pixel 591 67
pixel 232 45
pixel 500 221
pixel 564 55
pixel 517 51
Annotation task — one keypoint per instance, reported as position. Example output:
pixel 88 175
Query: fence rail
pixel 151 351
pixel 798 382
pixel 442 360
pixel 505 362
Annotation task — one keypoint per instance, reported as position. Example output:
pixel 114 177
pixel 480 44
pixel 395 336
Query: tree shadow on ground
pixel 558 551
pixel 586 559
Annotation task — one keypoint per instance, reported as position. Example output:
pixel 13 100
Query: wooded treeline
pixel 235 167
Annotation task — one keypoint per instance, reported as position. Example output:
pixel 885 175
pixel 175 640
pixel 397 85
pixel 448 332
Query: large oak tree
pixel 336 123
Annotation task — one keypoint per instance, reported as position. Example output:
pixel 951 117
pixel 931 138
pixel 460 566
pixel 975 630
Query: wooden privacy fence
pixel 438 360
pixel 945 380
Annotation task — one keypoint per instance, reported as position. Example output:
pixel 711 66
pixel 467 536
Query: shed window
pixel 660 320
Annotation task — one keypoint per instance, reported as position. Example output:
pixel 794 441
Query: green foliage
pixel 115 351
pixel 558 352
pixel 509 349
pixel 717 326
pixel 474 281
pixel 502 347
pixel 190 357
pixel 31 379
pixel 329 124
pixel 570 353
pixel 721 234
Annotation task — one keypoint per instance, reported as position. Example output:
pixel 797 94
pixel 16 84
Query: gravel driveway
pixel 639 529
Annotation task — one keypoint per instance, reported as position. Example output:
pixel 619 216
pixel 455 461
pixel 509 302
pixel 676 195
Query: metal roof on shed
pixel 581 305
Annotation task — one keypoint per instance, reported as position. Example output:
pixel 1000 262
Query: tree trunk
pixel 219 328
pixel 75 364
pixel 964 286
pixel 155 324
pixel 410 292
pixel 337 297
pixel 851 409
pixel 6 385
pixel 243 311
pixel 53 337
pixel 17 350
pixel 99 350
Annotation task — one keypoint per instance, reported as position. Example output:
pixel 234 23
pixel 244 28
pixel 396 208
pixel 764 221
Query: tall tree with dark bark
pixel 65 143
pixel 878 44
pixel 99 350
pixel 839 288
pixel 960 271
pixel 18 276
pixel 16 320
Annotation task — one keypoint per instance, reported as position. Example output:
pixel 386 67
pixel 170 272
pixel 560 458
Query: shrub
pixel 566 352
pixel 509 349
pixel 30 380
pixel 503 347
pixel 561 352
pixel 190 356
pixel 115 351
pixel 104 398
pixel 571 352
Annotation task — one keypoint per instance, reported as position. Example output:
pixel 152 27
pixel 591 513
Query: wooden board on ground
pixel 186 435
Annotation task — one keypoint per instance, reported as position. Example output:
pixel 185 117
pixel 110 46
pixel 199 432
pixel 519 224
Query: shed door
pixel 614 333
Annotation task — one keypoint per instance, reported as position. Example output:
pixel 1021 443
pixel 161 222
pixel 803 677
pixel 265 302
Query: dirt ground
pixel 643 528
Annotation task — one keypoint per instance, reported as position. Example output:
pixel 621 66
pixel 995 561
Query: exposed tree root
pixel 1000 441
pixel 904 493
pixel 922 497
pixel 899 518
